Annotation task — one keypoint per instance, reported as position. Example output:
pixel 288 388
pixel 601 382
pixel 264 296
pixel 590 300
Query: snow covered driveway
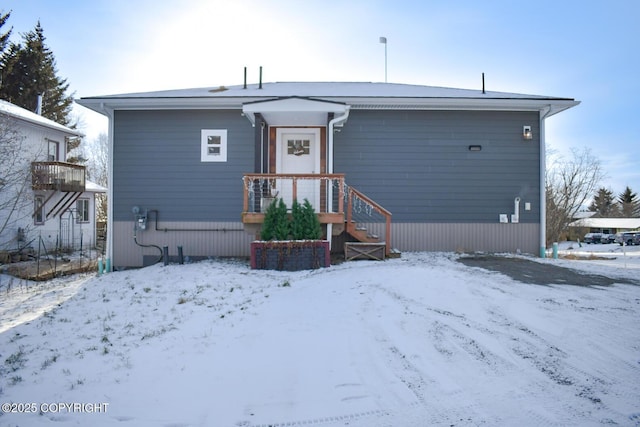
pixel 421 340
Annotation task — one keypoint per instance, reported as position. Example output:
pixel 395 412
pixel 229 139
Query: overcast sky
pixel 583 49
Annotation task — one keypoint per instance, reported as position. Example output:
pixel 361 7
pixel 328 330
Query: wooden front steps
pixel 361 233
pixel 368 246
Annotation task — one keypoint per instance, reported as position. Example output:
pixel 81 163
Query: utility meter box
pixel 140 219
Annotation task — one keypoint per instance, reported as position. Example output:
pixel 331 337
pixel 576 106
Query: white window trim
pixel 38 204
pixel 205 155
pixel 79 219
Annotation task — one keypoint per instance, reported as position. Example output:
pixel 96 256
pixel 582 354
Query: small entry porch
pixel 339 206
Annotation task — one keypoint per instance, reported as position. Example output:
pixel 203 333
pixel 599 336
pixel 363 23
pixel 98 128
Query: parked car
pixel 628 238
pixel 608 238
pixel 592 237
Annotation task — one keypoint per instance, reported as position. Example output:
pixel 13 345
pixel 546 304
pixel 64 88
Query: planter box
pixel 290 255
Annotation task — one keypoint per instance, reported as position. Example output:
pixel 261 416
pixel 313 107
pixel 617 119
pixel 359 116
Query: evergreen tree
pixel 604 204
pixel 312 230
pixel 4 38
pixel 305 224
pixel 29 70
pixel 276 222
pixel 283 225
pixel 297 222
pixel 629 204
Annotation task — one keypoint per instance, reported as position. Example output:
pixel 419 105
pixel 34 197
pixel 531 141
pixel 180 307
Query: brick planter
pixel 290 255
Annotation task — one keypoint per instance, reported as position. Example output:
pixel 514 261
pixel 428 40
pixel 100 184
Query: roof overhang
pixel 101 105
pixel 293 111
pixel 27 116
pixel 625 223
pixel 553 106
pixel 312 99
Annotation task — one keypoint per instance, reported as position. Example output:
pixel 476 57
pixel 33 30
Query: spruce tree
pixel 312 230
pixel 276 222
pixel 283 225
pixel 297 222
pixel 28 69
pixel 604 204
pixel 4 37
pixel 629 204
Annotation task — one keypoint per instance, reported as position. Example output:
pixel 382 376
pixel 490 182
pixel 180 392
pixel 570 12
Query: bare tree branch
pixel 15 174
pixel 98 169
pixel 568 186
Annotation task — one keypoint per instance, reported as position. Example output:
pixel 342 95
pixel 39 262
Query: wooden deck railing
pixel 326 190
pixel 354 198
pixel 59 176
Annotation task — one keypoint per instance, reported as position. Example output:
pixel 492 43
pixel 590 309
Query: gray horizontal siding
pixel 196 244
pixel 434 237
pixel 418 166
pixel 157 165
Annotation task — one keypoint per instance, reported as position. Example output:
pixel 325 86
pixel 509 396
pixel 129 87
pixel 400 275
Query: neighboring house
pixel 607 225
pixel 421 168
pixel 57 204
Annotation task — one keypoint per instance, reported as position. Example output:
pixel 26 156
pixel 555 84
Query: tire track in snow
pixel 433 403
pixel 450 333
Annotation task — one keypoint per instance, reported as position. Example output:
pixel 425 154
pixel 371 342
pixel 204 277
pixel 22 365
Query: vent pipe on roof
pixel 483 92
pixel 245 78
pixel 39 105
pixel 260 84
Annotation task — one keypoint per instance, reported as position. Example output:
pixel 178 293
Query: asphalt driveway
pixel 527 271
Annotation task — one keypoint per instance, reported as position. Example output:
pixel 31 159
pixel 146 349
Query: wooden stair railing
pixel 360 232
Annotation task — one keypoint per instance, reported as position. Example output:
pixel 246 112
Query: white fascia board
pixel 332 104
pixel 555 106
pixel 100 104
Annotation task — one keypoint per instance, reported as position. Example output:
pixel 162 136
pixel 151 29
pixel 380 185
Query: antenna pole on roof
pixel 483 92
pixel 260 84
pixel 245 78
pixel 383 40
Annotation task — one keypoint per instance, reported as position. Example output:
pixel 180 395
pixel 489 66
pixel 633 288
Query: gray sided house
pixel 416 168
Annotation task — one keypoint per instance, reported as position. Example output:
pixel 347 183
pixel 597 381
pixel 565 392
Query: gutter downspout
pixel 544 113
pixel 109 252
pixel 332 123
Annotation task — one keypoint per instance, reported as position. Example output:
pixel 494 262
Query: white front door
pixel 298 152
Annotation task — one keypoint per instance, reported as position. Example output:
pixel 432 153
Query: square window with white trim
pixel 213 145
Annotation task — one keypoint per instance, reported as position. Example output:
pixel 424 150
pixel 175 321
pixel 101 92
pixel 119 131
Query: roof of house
pixel 92 187
pixel 13 110
pixel 360 95
pixel 620 223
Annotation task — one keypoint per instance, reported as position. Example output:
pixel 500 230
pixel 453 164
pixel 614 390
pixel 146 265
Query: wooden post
pixel 245 195
pixel 387 236
pixel 341 195
pixel 349 205
pixel 294 188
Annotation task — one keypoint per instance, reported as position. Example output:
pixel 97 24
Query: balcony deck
pixel 58 176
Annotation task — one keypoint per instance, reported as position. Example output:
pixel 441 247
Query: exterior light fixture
pixel 475 147
pixel 527 133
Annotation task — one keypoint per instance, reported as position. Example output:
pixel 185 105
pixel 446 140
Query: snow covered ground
pixel 416 341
